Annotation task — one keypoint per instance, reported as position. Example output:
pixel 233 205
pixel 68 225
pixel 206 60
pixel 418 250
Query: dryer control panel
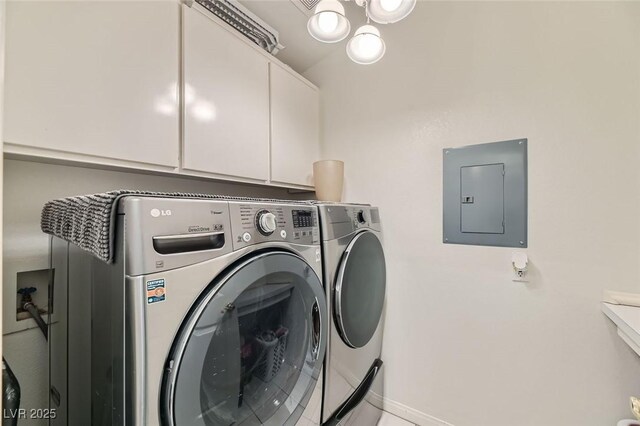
pixel 253 223
pixel 339 220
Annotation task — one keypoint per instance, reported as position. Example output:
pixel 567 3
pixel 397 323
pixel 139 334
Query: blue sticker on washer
pixel 156 291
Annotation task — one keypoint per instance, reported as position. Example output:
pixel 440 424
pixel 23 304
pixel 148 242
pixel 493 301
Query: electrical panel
pixel 485 194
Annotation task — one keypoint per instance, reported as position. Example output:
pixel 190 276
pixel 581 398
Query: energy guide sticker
pixel 156 291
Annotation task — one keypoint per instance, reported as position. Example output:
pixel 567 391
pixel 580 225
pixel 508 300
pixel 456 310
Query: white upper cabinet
pixel 98 79
pixel 154 85
pixel 295 120
pixel 226 100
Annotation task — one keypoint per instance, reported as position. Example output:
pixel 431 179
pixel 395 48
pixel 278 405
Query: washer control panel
pixel 253 223
pixel 302 218
pixel 305 225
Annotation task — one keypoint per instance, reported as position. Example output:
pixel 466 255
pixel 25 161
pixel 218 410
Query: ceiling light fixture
pixel 389 11
pixel 330 25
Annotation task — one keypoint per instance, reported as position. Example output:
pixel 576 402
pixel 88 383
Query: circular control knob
pixel 266 222
pixel 361 217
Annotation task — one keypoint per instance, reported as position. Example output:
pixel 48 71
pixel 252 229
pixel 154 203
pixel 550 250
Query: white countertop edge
pixel 627 319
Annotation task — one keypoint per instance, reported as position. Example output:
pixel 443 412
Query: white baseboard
pixel 392 407
pixel 407 413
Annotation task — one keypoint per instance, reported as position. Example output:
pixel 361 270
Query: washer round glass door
pixel 251 349
pixel 360 289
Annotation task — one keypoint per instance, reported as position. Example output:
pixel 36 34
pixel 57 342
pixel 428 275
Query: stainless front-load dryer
pixel 212 313
pixel 355 286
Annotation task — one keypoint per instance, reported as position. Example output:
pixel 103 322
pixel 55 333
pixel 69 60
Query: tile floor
pixel 391 420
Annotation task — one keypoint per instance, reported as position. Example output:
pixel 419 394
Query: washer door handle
pixel 315 330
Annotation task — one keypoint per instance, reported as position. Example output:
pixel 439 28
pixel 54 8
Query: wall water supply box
pixel 485 194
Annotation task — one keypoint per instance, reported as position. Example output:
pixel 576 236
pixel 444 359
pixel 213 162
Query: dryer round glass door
pixel 360 289
pixel 251 349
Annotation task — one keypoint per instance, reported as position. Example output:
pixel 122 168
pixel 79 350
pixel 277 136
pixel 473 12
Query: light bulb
pixel 328 21
pixel 390 5
pixel 366 46
pixel 369 45
pixel 389 11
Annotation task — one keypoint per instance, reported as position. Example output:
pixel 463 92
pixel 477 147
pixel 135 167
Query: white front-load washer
pixel 355 286
pixel 212 313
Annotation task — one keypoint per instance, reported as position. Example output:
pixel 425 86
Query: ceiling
pixel 301 50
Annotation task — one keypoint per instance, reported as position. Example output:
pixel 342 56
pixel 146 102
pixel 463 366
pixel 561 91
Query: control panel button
pixel 283 233
pixel 266 222
pixel 246 237
pixel 361 217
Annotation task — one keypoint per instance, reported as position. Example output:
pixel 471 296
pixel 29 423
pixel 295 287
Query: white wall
pixel 27 186
pixel 463 342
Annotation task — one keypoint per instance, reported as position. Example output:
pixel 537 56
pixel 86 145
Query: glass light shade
pixel 366 46
pixel 328 23
pixel 389 11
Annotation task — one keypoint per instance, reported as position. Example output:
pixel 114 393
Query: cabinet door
pixel 295 141
pixel 94 78
pixel 226 101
